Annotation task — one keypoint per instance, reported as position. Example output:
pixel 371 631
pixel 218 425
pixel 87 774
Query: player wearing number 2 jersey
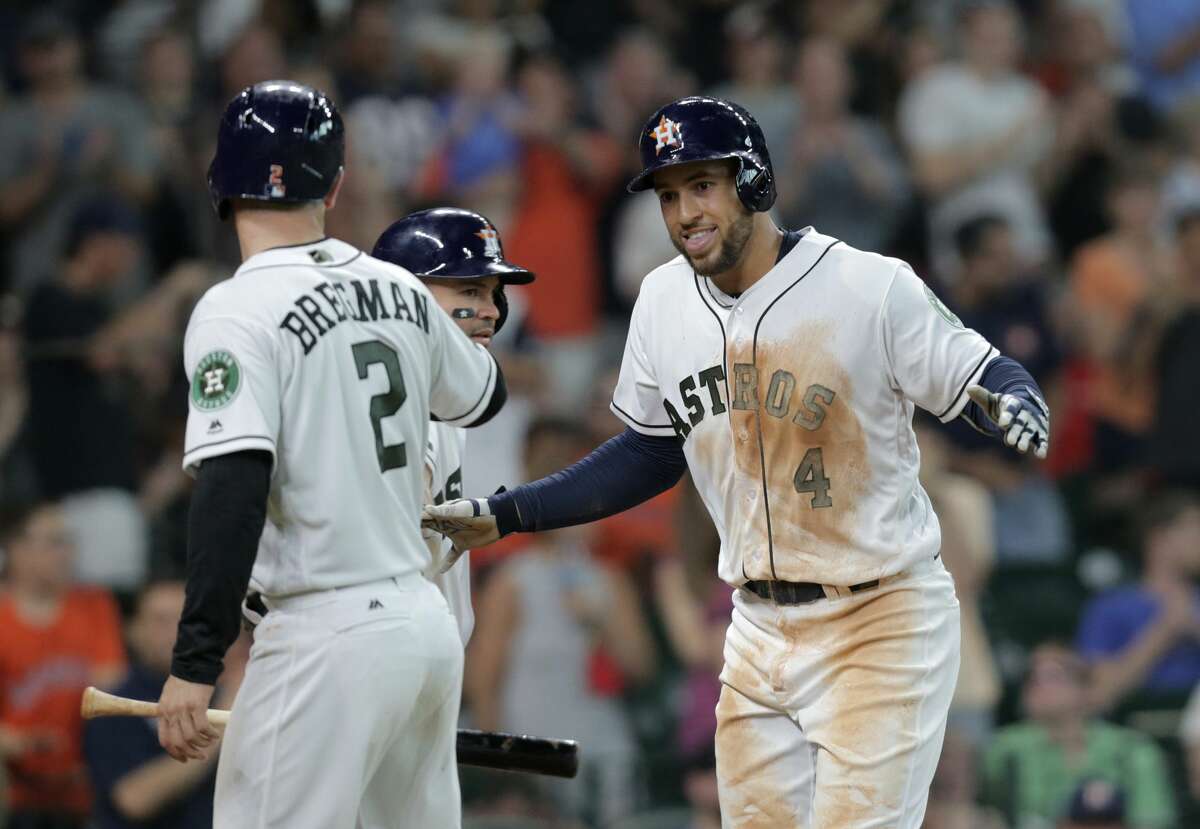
pixel 782 369
pixel 314 371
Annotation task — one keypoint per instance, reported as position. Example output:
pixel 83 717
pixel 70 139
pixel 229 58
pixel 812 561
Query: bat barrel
pixel 513 752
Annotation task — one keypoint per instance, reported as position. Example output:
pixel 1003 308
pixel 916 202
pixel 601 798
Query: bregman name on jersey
pixel 354 299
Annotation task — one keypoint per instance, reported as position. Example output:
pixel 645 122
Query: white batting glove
pixel 467 522
pixel 1024 419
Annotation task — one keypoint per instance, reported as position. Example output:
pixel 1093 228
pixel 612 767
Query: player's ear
pixel 331 196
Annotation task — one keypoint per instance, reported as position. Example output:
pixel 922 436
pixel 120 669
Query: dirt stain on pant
pixel 756 790
pixel 845 704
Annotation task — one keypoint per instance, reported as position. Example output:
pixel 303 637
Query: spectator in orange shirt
pixel 1112 281
pixel 58 639
pixel 566 169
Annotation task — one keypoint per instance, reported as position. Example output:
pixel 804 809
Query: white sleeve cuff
pixel 197 454
pixel 961 399
pixel 485 398
pixel 651 429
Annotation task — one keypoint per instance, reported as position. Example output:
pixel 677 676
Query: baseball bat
pixel 516 752
pixel 487 749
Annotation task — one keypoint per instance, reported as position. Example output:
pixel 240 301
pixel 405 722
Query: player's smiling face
pixel 457 296
pixel 707 221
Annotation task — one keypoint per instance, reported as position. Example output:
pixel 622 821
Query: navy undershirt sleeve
pixel 619 474
pixel 1003 375
pixel 225 522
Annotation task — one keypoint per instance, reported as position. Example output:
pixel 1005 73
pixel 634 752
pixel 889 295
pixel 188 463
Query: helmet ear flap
pixel 755 185
pixel 501 301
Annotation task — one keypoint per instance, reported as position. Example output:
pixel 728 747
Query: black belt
pixel 797 592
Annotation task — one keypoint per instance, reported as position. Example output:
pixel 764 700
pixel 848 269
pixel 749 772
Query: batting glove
pixel 467 522
pixel 1023 418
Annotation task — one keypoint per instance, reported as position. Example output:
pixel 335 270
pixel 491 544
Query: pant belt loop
pixel 834 592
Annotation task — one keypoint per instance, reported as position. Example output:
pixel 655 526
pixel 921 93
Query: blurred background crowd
pixel 1038 162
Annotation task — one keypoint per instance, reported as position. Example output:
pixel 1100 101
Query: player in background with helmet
pixel 314 371
pixel 781 368
pixel 458 255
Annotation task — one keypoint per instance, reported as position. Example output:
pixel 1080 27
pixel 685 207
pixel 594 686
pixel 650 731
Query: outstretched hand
pixel 1022 417
pixel 467 522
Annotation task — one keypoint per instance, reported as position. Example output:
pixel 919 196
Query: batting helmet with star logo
pixel 451 243
pixel 706 129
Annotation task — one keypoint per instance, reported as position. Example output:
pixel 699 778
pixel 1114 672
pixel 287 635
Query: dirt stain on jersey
pixel 800 422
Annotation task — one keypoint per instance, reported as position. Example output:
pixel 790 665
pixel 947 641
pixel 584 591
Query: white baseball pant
pixel 832 713
pixel 347 716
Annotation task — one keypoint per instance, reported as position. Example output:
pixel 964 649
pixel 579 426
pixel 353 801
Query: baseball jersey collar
pixel 798 260
pixel 326 252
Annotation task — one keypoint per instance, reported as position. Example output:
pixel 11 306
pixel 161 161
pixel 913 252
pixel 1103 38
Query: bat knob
pixel 87 706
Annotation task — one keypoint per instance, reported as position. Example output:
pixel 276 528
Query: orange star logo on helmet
pixel 491 242
pixel 666 134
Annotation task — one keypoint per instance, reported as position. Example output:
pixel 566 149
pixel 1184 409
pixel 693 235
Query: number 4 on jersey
pixel 810 477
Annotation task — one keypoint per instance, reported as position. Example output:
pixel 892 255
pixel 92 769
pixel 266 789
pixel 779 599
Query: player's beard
pixel 733 246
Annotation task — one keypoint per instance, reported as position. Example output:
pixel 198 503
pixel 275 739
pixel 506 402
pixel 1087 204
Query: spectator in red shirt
pixel 566 169
pixel 58 639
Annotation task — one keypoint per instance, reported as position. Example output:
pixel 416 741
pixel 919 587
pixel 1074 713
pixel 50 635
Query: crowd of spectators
pixel 1038 162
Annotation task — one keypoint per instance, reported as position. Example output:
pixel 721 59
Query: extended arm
pixel 621 473
pixel 1007 401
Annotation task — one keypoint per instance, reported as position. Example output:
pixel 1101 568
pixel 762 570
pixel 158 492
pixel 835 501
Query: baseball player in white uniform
pixel 314 371
pixel 459 257
pixel 782 369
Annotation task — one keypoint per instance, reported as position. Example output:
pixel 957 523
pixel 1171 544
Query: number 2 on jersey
pixel 367 354
pixel 810 477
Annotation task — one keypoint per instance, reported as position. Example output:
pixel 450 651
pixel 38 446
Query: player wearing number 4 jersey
pixel 782 369
pixel 314 371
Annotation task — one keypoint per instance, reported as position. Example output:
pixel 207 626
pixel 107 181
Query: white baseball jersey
pixel 443 463
pixel 331 361
pixel 795 402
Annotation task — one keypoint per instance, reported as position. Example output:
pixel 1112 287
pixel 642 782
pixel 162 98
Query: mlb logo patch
pixel 666 134
pixel 491 242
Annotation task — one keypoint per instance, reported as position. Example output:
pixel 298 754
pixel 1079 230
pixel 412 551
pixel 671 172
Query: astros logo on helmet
pixel 666 134
pixel 491 242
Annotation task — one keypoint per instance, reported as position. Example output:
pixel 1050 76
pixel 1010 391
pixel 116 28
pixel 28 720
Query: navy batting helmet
pixel 279 141
pixel 706 129
pixel 451 243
